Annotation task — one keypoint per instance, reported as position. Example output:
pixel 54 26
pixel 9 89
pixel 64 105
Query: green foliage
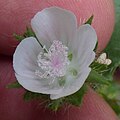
pixel 95 77
pixel 74 99
pixel 111 94
pixel 28 33
pixel 113 48
pixel 14 85
pixel 89 21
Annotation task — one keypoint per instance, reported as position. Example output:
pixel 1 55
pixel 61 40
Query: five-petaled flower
pixel 61 67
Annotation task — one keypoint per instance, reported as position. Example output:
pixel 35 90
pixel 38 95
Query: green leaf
pixel 14 85
pixel 89 21
pixel 113 48
pixel 94 77
pixel 76 98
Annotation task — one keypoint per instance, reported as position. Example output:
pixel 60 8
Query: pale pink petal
pixel 25 65
pixel 38 85
pixel 54 24
pixel 73 86
pixel 25 57
pixel 84 45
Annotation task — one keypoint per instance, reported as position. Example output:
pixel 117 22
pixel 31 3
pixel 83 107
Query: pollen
pixel 54 62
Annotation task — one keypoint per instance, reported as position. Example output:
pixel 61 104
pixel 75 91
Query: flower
pixel 102 59
pixel 61 66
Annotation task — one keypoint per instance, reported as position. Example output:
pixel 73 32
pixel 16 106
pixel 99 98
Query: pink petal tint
pixel 54 63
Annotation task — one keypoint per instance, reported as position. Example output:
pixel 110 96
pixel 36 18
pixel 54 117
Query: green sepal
pixel 14 85
pixel 18 37
pixel 94 77
pixel 76 98
pixel 55 104
pixel 29 32
pixel 51 104
pixel 28 96
pixel 89 21
pixel 96 46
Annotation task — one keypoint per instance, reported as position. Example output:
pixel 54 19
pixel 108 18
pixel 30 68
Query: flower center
pixel 54 62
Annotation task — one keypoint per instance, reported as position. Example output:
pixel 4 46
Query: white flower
pixel 102 59
pixel 53 72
